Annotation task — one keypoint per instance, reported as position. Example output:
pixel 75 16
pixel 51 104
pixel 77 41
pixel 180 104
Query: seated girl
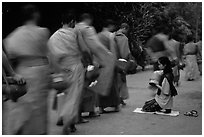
pixel 163 100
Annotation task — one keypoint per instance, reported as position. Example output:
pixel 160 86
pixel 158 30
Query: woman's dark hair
pixel 28 12
pixel 68 16
pixel 167 63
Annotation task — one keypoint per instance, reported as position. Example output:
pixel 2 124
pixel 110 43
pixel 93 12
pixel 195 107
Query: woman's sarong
pixel 151 106
pixel 192 71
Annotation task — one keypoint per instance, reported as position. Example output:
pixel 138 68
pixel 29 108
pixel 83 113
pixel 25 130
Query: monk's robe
pixel 104 57
pixel 123 52
pixel 26 48
pixel 113 98
pixel 66 53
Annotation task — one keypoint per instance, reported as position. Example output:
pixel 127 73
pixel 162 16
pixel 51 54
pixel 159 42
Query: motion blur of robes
pixel 157 47
pixel 104 58
pixel 123 52
pixel 64 48
pixel 6 71
pixel 88 103
pixel 27 49
pixel 113 98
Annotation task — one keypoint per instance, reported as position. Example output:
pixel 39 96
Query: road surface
pixel 126 122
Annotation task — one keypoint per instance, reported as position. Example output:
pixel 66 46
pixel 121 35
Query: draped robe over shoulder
pixel 113 98
pixel 64 47
pixel 104 58
pixel 124 51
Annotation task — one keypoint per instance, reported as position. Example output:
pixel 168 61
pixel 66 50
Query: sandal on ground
pixel 192 113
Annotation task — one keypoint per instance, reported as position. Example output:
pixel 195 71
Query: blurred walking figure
pixel 26 48
pixel 123 52
pixel 101 56
pixel 199 56
pixel 113 98
pixel 7 70
pixel 157 46
pixel 66 59
pixel 67 45
pixel 190 51
pixel 139 53
pixel 174 46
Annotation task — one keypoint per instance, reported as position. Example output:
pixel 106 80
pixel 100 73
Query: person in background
pixel 175 48
pixel 139 53
pixel 199 55
pixel 26 48
pixel 163 100
pixel 190 52
pixel 122 52
pixel 113 98
pixel 157 45
pixel 142 58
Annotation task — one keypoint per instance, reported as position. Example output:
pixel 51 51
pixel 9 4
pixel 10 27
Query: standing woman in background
pixel 26 47
pixel 190 51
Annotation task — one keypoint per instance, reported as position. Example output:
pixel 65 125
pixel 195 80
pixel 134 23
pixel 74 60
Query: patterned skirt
pixel 151 106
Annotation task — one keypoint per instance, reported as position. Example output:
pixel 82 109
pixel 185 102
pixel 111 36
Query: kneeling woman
pixel 165 90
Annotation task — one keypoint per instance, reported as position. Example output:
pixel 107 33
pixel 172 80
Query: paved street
pixel 129 123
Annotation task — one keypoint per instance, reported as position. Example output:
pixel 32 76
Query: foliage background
pixel 182 18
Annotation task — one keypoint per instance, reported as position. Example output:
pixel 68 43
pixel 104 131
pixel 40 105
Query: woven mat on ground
pixel 173 113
